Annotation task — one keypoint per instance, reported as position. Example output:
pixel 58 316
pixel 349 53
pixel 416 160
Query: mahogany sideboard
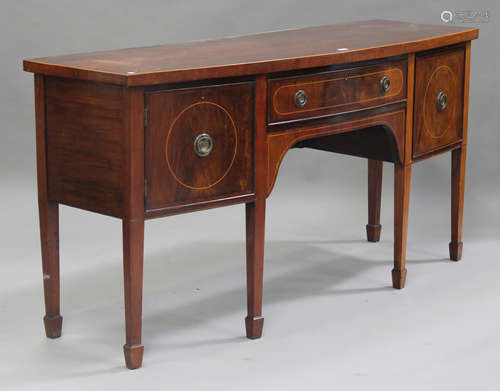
pixel 149 132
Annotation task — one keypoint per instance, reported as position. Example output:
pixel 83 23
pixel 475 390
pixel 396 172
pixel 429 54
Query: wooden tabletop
pixel 252 54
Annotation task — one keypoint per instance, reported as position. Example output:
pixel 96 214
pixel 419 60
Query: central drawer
pixel 331 92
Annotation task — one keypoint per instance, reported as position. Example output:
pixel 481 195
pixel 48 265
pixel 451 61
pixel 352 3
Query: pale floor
pixel 332 321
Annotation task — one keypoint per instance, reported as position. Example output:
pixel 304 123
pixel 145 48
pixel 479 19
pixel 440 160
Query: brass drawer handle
pixel 442 100
pixel 300 99
pixel 203 145
pixel 385 84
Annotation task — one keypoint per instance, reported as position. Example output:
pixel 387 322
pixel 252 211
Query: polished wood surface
pixel 255 218
pixel 345 90
pixel 255 233
pixel 373 228
pixel 117 132
pixel 438 72
pixel 133 222
pixel 133 249
pixel 49 221
pixel 402 176
pixel 253 54
pixel 457 201
pixel 458 158
pixel 84 148
pixel 410 103
pixel 279 143
pixel 175 173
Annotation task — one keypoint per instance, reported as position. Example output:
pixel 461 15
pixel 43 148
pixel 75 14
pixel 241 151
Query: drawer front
pixel 439 79
pixel 356 88
pixel 199 144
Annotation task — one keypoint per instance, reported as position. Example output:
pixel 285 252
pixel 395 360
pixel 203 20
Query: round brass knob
pixel 442 100
pixel 203 145
pixel 385 84
pixel 300 98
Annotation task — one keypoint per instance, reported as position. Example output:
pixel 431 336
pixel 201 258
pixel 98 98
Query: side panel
pixel 84 145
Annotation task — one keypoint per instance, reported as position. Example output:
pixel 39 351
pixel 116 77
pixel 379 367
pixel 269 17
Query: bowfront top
pixel 252 54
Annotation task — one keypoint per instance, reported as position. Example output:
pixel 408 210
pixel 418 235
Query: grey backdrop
pixel 300 234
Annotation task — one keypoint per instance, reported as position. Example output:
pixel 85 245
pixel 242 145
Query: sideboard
pixel 149 132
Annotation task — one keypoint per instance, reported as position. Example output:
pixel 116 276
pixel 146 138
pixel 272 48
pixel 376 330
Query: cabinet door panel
pixel 439 79
pixel 199 144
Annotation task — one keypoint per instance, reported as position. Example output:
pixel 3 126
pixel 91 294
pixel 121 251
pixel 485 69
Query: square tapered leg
pixel 49 238
pixel 48 212
pixel 402 174
pixel 255 221
pixel 457 201
pixel 373 228
pixel 133 247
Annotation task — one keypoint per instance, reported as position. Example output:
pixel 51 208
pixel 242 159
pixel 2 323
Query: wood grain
pixel 458 158
pixel 175 173
pixel 84 145
pixel 349 89
pixel 255 216
pixel 465 115
pixel 49 220
pixel 254 54
pixel 280 142
pixel 216 201
pixel 410 102
pixel 255 235
pixel 379 142
pixel 402 176
pixel 435 72
pixel 261 138
pixel 133 222
pixel 373 228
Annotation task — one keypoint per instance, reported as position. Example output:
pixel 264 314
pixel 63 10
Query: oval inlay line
pixel 234 153
pixel 298 85
pixel 452 106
